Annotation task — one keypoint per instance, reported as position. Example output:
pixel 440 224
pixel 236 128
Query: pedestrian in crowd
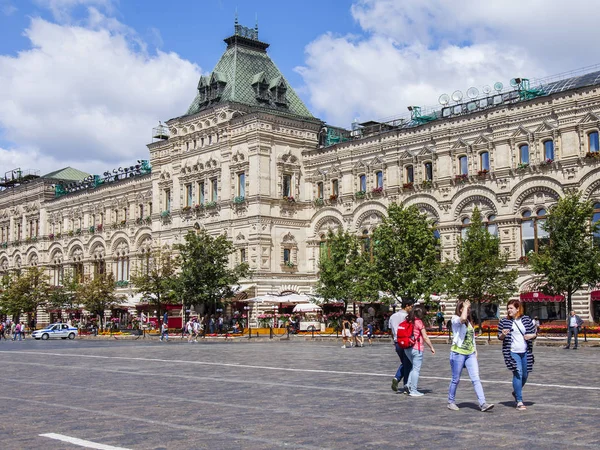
pixel 16 332
pixel 574 322
pixel 2 331
pixel 346 333
pixel 370 332
pixel 13 328
pixel 439 318
pixel 405 365
pixel 463 353
pixel 517 332
pixel 415 353
pixel 22 330
pixel 196 329
pixel 189 328
pixel 220 324
pixel 536 324
pixel 164 332
pixel 211 324
pixel 359 340
pixel 354 327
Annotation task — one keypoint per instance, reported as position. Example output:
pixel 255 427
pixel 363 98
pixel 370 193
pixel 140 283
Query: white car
pixel 55 331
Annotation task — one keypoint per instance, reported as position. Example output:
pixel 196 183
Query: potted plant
pixel 239 199
pixel 360 194
pixel 522 166
pixel 99 227
pixel 289 198
pixel 210 205
pixel 378 190
pixel 186 208
pixel 165 214
pixel 482 173
pixel 319 202
pixel 408 185
pixel 91 229
pixel 462 178
pixel 333 197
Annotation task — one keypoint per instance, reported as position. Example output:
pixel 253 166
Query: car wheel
pixel 45 336
pixel 71 336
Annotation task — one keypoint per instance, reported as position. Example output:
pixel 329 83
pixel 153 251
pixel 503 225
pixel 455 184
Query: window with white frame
pixel 215 189
pixel 189 195
pixel 409 172
pixel 241 184
pixel 287 185
pixel 463 165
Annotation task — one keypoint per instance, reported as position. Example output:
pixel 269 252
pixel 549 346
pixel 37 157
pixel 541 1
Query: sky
pixel 82 82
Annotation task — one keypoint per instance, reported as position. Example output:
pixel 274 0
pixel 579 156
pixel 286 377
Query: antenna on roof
pixel 236 16
pixel 472 92
pixel 444 99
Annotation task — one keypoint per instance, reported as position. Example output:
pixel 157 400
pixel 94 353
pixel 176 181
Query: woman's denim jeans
pixel 416 359
pixel 520 374
pixel 457 363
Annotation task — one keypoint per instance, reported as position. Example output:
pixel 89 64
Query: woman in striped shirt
pixel 517 332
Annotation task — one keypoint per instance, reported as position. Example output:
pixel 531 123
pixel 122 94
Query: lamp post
pixel 247 308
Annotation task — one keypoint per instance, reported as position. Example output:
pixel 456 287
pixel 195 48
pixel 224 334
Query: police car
pixel 55 331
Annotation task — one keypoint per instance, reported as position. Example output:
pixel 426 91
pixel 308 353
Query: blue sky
pixel 82 82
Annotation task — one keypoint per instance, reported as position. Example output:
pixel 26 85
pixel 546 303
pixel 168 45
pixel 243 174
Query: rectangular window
pixel 410 174
pixel 527 237
pixel 243 255
pixel 363 183
pixel 141 211
pixel 189 195
pixel 524 154
pixel 485 161
pixel 287 255
pixel 215 190
pixel 201 193
pixel 428 171
pixel 549 150
pixel 335 187
pixel 593 142
pixel 320 189
pixel 287 185
pixel 167 199
pixel 242 184
pixel 379 179
pixel 463 165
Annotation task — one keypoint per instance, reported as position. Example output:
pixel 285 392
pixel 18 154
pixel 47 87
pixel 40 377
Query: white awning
pixel 307 307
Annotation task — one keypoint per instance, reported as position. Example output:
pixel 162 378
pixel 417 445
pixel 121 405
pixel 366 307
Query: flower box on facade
pixel 522 166
pixel 186 208
pixel 210 205
pixel 547 162
pixel 198 206
pixel 377 190
pixel 91 229
pixel 148 220
pixel 123 223
pixel 462 178
pixel 122 283
pixel 99 227
pixel 360 194
pixel 289 199
pixel 319 202
pixel 165 214
pixel 239 200
pixel 78 231
pixel 70 233
pixel 333 197
pixel 408 186
pixel 524 260
pixel 427 184
pixel 5 244
pixel 483 173
pixel 592 155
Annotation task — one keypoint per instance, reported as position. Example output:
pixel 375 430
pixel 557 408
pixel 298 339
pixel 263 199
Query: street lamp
pixel 247 308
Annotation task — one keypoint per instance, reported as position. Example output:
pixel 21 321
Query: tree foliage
pixel 481 272
pixel 406 254
pixel 65 296
pixel 156 279
pixel 205 276
pixel 24 292
pixel 571 259
pixel 345 273
pixel 98 294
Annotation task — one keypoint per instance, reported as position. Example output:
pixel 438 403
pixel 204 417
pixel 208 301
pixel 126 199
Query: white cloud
pixel 412 51
pixel 62 9
pixel 87 96
pixel 7 8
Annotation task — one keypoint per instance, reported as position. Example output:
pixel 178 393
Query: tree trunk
pixel 569 305
pixel 479 314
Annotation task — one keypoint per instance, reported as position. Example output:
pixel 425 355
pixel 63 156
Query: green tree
pixel 205 277
pixel 406 254
pixel 65 295
pixel 98 295
pixel 481 272
pixel 571 258
pixel 156 278
pixel 345 270
pixel 25 292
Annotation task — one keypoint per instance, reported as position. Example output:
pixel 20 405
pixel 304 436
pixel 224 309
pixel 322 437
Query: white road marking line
pixel 283 369
pixel 81 442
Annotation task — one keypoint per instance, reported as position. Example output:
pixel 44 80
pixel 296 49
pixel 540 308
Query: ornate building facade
pixel 248 159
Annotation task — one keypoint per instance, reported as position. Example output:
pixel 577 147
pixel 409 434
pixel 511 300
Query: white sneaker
pixel 343 346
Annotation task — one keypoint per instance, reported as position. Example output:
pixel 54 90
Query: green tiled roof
pixel 68 173
pixel 244 63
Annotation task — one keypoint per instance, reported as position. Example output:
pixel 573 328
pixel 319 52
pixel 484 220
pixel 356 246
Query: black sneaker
pixel 394 385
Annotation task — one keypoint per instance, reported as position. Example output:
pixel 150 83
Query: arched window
pixel 484 161
pixel 593 145
pixel 363 183
pixel 428 171
pixel 595 224
pixel 463 165
pixel 549 150
pixel 491 226
pixel 524 154
pixel 410 174
pixel 533 236
pixel 466 223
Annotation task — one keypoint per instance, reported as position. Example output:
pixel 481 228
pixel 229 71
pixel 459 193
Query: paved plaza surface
pixel 262 394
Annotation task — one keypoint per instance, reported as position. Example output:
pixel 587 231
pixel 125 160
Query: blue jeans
pixel 520 374
pixel 457 363
pixel 416 359
pixel 405 365
pixel 573 331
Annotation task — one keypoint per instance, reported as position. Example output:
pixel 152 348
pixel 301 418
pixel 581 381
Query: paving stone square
pixel 262 394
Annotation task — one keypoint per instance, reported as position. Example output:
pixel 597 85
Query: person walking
pixel 164 332
pixel 405 365
pixel 16 332
pixel 574 322
pixel 517 332
pixel 370 332
pixel 2 331
pixel 415 353
pixel 359 339
pixel 346 333
pixel 463 353
pixel 439 318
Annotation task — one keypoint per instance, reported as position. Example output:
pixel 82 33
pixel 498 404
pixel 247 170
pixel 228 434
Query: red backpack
pixel 404 335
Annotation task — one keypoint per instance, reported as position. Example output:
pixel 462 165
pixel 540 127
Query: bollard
pixel 313 331
pixel 249 331
pixel 489 336
pixel 270 332
pixel 584 334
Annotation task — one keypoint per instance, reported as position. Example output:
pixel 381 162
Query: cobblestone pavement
pixel 293 394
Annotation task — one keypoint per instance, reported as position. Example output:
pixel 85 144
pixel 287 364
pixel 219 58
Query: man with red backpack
pixel 405 365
